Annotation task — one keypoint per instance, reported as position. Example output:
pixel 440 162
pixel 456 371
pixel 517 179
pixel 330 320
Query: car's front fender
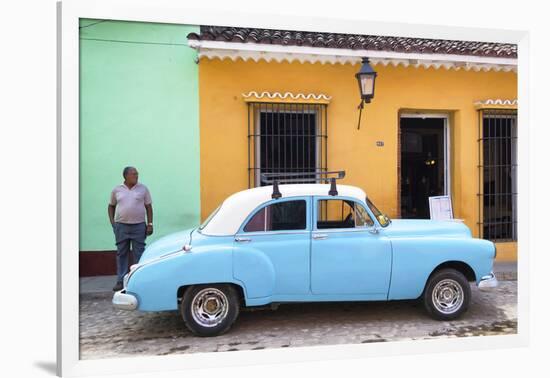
pixel 414 259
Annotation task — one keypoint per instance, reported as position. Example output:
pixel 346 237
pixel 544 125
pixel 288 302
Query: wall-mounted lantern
pixel 366 78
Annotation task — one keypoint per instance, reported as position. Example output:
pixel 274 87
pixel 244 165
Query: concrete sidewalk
pixel 505 271
pixel 97 284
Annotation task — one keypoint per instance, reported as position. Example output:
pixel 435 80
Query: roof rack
pixel 301 177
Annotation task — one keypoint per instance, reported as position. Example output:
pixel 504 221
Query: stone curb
pixel 507 276
pixel 501 276
pixel 102 284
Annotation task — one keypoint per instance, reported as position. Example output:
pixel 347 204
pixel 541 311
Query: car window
pixel 279 216
pixel 362 217
pixel 337 213
pixel 383 219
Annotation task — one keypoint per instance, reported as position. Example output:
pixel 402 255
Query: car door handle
pixel 320 236
pixel 242 240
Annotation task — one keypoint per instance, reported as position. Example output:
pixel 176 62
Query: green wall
pixel 139 105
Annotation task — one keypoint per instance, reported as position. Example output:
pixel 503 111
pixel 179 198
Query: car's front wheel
pixel 210 310
pixel 447 294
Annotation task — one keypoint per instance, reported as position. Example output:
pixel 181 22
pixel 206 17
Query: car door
pixel 278 232
pixel 349 253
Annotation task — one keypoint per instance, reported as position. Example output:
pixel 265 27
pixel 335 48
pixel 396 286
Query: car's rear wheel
pixel 447 294
pixel 210 310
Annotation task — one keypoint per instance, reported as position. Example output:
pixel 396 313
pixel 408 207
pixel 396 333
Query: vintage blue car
pixel 305 243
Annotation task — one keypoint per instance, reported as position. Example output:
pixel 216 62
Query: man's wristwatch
pixel 150 224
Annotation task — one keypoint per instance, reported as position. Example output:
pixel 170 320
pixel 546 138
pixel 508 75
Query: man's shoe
pixel 118 286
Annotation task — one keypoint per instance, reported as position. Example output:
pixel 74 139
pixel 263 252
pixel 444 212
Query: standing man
pixel 127 207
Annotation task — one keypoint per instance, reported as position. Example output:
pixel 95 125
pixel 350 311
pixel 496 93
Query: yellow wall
pixel 224 124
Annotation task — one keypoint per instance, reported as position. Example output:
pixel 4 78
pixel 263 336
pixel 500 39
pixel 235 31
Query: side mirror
pixel 374 230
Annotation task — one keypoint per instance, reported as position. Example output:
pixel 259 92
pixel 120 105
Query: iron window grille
pixel 286 138
pixel 497 194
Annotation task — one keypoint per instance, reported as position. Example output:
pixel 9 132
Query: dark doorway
pixel 422 164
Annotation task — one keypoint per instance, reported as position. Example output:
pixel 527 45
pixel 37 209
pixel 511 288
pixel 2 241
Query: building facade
pixel 139 106
pixel 442 122
pixel 203 111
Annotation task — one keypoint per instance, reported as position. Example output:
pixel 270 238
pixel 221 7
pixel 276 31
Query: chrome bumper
pixel 488 282
pixel 123 301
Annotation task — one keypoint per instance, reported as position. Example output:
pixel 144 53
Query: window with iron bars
pixel 286 138
pixel 498 175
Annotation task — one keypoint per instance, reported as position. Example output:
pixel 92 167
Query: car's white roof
pixel 234 210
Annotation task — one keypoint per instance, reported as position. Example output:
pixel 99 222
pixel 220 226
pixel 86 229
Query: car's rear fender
pixel 156 284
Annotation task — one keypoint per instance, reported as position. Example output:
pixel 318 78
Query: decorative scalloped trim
pixel 268 57
pixel 286 95
pixel 275 57
pixel 497 101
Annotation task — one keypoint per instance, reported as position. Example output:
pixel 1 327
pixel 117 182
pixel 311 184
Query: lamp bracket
pixel 360 107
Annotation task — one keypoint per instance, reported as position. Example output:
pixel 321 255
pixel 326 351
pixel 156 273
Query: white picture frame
pixel 174 11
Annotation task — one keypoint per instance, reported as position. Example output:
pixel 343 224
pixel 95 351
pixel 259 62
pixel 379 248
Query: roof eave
pixel 257 51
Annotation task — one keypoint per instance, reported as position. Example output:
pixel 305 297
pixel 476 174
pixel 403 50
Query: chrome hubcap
pixel 447 296
pixel 209 307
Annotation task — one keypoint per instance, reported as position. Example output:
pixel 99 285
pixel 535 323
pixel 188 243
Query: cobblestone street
pixel 105 332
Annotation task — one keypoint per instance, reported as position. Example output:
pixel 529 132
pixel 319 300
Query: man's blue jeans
pixel 126 235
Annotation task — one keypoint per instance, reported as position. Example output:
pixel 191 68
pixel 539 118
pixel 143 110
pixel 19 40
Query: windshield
pixel 205 223
pixel 382 218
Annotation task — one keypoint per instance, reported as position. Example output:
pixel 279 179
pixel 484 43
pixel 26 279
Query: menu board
pixel 441 208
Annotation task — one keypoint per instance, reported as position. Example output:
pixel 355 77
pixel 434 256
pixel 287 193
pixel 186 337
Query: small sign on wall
pixel 441 208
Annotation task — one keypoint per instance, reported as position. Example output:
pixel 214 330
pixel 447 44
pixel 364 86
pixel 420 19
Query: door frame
pixel 446 149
